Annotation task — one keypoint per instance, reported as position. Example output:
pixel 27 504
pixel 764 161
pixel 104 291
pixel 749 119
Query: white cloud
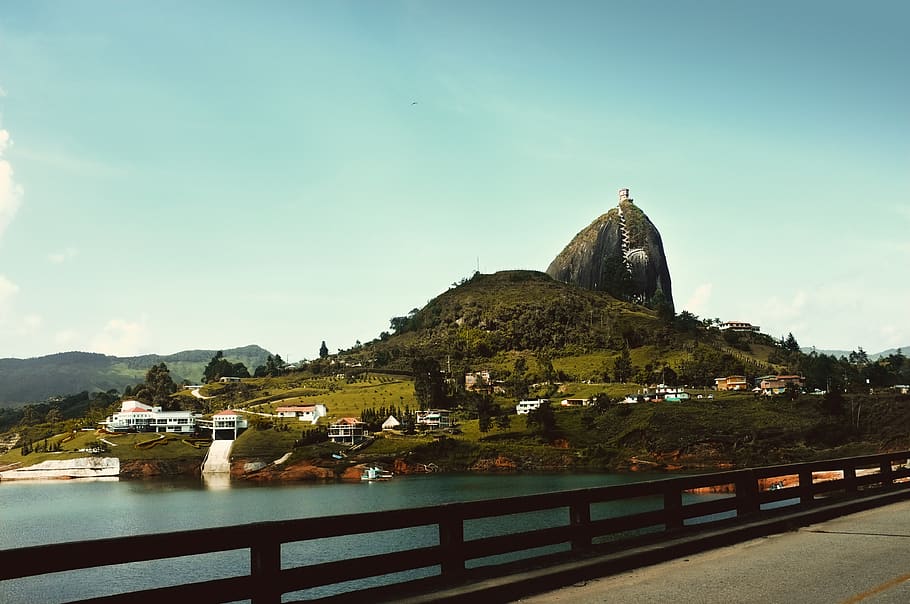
pixel 2 93
pixel 62 256
pixel 10 192
pixel 122 338
pixel 8 289
pixel 699 299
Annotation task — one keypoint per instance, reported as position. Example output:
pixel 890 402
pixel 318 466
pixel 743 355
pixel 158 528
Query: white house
pixel 575 402
pixel 224 425
pixel 310 413
pixel 227 421
pixel 139 417
pixel 434 419
pixel 347 431
pixel 525 407
pixel 738 326
pixel 390 424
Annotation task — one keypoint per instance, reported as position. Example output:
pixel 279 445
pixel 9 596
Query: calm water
pixel 33 513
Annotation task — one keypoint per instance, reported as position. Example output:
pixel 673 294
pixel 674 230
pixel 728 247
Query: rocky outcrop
pixel 498 464
pixel 156 468
pixel 257 471
pixel 620 253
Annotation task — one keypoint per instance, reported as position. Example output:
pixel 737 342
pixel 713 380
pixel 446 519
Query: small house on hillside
pixel 770 385
pixel 731 382
pixel 390 424
pixel 348 431
pixel 738 326
pixel 525 407
pixel 478 380
pixel 310 413
pixel 434 419
pixel 575 402
pixel 227 424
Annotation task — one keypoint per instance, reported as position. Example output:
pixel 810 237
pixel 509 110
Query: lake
pixel 34 513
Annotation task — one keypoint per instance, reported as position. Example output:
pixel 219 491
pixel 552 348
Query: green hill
pixel 33 380
pixel 537 337
pixel 490 321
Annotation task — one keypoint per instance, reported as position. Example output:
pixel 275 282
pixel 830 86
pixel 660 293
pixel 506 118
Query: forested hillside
pixel 34 380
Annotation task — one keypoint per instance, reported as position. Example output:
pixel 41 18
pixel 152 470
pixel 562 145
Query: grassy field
pixel 123 446
pixel 344 400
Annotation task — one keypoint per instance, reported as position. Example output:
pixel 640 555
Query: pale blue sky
pixel 182 175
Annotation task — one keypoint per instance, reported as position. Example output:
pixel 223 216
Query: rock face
pixel 620 253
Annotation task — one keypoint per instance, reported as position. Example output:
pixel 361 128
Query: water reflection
pixel 219 481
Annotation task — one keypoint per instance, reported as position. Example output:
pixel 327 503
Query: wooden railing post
pixel 580 521
pixel 806 496
pixel 887 478
pixel 850 485
pixel 746 493
pixel 265 566
pixel 673 507
pixel 451 538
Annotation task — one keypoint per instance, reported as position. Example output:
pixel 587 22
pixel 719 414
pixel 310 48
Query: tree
pixel 53 415
pixel 859 357
pixel 214 370
pixel 687 322
pixel 517 383
pixel 429 382
pixel 663 307
pixel 791 344
pixel 485 414
pixel 323 350
pixel 542 421
pixel 158 387
pixel 220 367
pixel 503 421
pixel 622 366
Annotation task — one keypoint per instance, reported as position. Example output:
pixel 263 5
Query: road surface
pixel 860 558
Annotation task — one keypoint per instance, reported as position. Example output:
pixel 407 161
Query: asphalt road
pixel 863 557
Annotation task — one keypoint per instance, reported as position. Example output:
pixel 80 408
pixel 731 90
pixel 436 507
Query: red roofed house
pixel 770 385
pixel 226 422
pixel 310 413
pixel 347 431
pixel 731 382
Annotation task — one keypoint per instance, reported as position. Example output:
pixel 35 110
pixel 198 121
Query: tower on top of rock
pixel 624 195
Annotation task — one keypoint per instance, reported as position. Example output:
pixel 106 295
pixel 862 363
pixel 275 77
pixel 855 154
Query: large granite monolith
pixel 620 253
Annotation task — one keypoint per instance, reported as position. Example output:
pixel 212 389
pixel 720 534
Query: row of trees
pixel 220 367
pixel 855 372
pixel 374 418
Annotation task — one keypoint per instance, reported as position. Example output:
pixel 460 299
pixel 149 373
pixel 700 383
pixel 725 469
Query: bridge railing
pixel 589 517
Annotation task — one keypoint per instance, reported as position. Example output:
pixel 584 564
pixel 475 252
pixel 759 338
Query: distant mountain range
pixel 846 353
pixel 34 380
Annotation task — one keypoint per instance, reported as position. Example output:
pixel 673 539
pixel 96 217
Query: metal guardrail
pixel 748 496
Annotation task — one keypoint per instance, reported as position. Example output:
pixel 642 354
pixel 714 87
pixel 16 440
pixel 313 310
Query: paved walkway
pixel 863 557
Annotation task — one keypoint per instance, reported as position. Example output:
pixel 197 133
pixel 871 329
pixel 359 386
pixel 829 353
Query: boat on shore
pixel 375 473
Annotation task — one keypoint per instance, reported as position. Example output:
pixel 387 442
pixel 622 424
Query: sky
pixel 179 175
